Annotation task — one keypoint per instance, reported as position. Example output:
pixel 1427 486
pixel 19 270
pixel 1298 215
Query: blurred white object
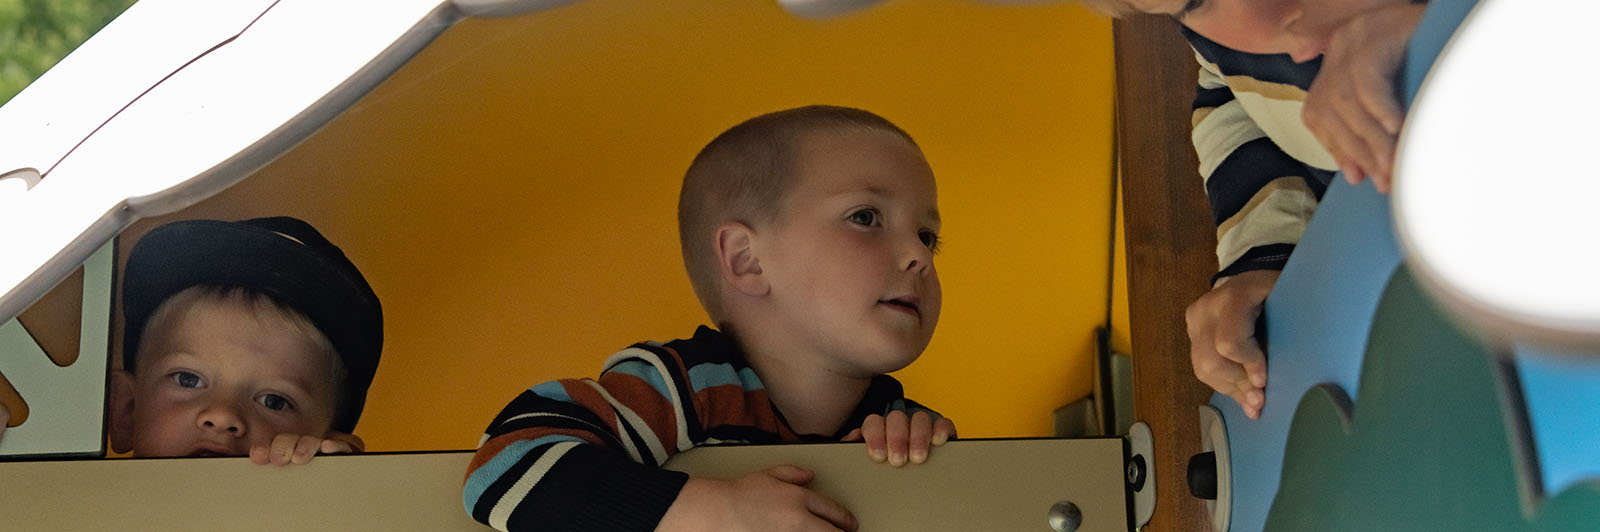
pixel 1497 194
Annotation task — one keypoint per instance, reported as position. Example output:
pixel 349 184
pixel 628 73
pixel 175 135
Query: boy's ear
pixel 736 259
pixel 119 411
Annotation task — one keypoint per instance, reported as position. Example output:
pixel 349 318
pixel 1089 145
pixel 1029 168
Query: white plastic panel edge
pixel 503 8
pixel 824 8
pixel 41 124
pixel 208 126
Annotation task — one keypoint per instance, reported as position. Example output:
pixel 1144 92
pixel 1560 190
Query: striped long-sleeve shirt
pixel 582 454
pixel 1264 172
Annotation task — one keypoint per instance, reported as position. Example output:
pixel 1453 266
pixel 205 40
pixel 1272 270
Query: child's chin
pixel 891 364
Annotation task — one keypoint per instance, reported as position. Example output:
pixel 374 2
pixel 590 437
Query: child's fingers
pixel 830 510
pixel 1377 96
pixel 790 474
pixel 1250 399
pixel 1247 363
pixel 342 442
pixel 1366 137
pixel 1236 341
pixel 943 430
pixel 1255 399
pixel 921 436
pixel 335 447
pixel 854 435
pixel 896 431
pixel 872 431
pixel 305 448
pixel 281 451
pixel 261 454
pixel 1229 379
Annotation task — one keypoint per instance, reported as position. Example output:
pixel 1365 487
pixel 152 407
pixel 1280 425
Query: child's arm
pixel 1352 107
pixel 299 449
pixel 576 455
pixel 585 454
pixel 1261 201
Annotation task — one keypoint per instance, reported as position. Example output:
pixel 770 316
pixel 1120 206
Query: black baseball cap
pixel 281 257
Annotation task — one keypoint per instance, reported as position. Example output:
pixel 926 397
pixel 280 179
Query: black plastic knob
pixel 1203 476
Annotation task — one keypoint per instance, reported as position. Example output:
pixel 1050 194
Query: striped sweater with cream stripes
pixel 582 454
pixel 1264 172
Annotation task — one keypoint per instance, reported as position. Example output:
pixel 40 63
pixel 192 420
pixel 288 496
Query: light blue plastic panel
pixel 1318 318
pixel 1562 392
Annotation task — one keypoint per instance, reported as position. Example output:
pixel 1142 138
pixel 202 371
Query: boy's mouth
pixel 905 303
pixel 209 450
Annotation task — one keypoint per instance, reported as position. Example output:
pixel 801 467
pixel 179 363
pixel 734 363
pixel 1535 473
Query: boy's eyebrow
pixel 932 214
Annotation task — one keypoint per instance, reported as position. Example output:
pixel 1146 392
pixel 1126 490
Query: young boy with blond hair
pixel 809 237
pixel 256 337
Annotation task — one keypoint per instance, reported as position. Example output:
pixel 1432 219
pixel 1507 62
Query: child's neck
pixel 813 399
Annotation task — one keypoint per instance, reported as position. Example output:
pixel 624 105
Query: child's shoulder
pixel 708 358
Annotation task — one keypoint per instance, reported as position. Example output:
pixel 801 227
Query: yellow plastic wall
pixel 510 194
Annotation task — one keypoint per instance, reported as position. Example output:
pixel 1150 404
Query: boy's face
pixel 1300 28
pixel 850 260
pixel 220 377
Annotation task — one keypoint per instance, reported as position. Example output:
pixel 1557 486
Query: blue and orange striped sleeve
pixel 582 454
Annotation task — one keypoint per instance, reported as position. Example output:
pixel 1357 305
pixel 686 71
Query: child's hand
pixel 897 437
pixel 1222 338
pixel 1352 107
pixel 299 449
pixel 774 499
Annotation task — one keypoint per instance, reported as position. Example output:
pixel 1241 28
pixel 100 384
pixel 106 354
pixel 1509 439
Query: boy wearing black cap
pixel 256 338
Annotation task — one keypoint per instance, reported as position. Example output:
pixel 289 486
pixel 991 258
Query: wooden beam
pixel 1170 249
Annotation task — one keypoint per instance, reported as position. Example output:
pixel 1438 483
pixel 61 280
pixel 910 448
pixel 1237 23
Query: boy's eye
pixel 930 239
pixel 274 402
pixel 866 217
pixel 185 379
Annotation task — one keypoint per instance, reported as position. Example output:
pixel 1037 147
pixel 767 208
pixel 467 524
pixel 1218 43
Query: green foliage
pixel 35 34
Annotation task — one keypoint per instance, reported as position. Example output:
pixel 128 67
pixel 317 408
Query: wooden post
pixel 1170 249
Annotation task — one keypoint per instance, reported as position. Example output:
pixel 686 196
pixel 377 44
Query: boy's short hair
pixel 261 305
pixel 742 175
pixel 281 258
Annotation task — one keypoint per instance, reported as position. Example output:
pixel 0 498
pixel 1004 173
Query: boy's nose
pixel 221 418
pixel 919 259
